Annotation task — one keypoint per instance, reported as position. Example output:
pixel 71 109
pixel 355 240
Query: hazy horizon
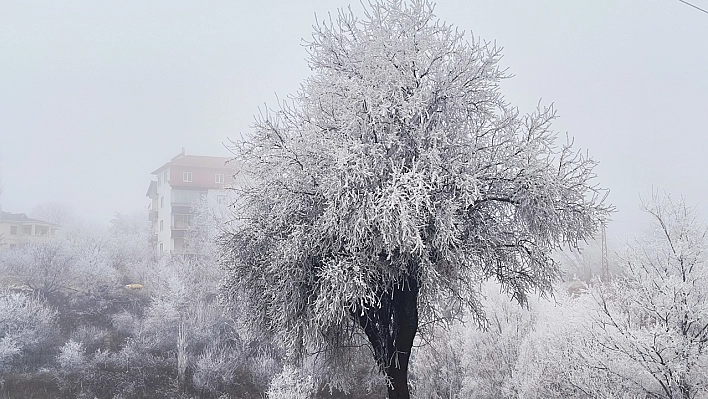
pixel 95 96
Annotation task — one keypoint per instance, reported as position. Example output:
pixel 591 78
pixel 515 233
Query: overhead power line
pixel 694 6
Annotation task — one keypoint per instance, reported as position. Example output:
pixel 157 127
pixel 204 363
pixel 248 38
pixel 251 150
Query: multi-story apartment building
pixel 180 185
pixel 17 229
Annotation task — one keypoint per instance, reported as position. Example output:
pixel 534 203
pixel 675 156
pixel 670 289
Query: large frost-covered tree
pixel 393 183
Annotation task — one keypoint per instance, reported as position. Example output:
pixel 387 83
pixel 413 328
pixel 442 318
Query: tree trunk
pixel 398 379
pixel 391 330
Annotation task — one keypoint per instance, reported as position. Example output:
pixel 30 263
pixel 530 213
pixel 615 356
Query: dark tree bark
pixel 391 330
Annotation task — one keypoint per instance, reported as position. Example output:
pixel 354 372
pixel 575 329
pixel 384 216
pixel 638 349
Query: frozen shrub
pixel 26 323
pixel 91 337
pixel 438 370
pixel 554 358
pixel 72 357
pixel 361 379
pixel 160 324
pixel 8 349
pixel 131 373
pixel 78 262
pixel 214 368
pixel 465 361
pixel 262 367
pixel 124 322
pixel 291 384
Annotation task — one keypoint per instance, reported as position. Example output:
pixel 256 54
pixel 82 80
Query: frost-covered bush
pixel 72 357
pixel 130 244
pixel 214 368
pixel 262 367
pixel 362 378
pixel 233 370
pixel 92 271
pixel 174 288
pixel 26 322
pixel 553 358
pixel 9 348
pixel 437 370
pixel 124 322
pixel 44 267
pixel 184 320
pixel 183 295
pixel 291 383
pixel 75 261
pixel 465 361
pixel 91 337
pixel 130 373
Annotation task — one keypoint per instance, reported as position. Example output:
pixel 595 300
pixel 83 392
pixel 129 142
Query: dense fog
pixel 408 221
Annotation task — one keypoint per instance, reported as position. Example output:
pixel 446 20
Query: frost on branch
pixel 398 169
pixel 25 323
pixel 653 321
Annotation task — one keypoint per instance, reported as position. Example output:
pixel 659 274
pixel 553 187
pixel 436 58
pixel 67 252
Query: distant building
pixel 181 184
pixel 17 229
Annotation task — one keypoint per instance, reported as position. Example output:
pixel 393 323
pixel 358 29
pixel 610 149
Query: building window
pixel 181 221
pixel 162 224
pixel 187 176
pixel 13 230
pixel 162 202
pixel 161 248
pixel 159 180
pixel 164 177
pixel 219 178
pixel 27 230
pixel 41 230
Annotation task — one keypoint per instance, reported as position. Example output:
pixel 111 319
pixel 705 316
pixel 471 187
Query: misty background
pixel 95 95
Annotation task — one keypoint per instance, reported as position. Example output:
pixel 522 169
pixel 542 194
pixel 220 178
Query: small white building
pixel 18 228
pixel 181 184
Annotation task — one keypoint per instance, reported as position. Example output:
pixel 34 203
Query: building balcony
pixel 178 233
pixel 182 208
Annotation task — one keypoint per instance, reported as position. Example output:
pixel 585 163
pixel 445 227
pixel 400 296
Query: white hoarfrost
pixel 392 184
pixel 653 321
pixel 25 321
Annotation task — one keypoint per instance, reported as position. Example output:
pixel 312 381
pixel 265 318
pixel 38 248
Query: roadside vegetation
pixel 151 327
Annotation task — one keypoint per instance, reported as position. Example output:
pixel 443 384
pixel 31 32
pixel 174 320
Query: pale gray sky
pixel 96 95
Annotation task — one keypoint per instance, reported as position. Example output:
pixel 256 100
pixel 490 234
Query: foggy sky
pixel 96 95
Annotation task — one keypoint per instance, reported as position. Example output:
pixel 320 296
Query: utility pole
pixel 605 273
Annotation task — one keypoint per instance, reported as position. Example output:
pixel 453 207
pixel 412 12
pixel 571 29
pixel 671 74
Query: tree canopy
pixel 396 180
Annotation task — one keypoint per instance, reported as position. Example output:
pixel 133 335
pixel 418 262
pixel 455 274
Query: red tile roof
pixel 198 161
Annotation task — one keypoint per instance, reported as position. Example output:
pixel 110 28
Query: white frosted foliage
pixel 397 166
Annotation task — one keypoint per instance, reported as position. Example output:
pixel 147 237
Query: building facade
pixel 179 186
pixel 17 229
